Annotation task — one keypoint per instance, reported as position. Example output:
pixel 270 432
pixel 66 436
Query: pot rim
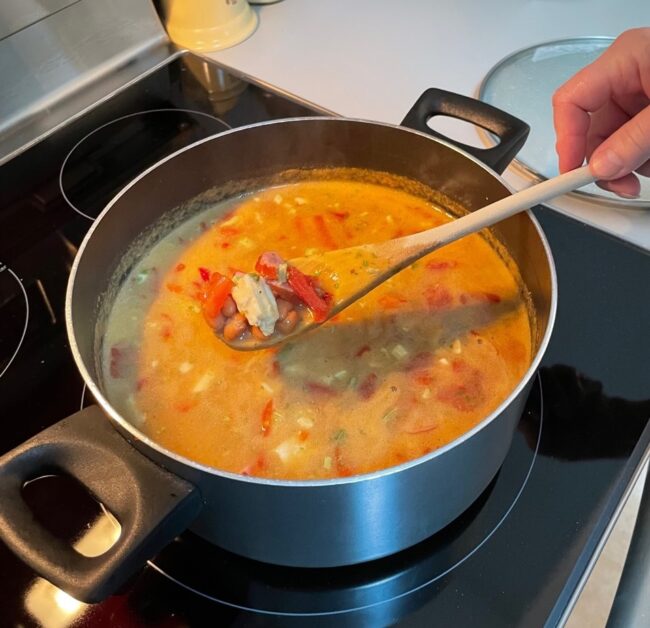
pixel 137 435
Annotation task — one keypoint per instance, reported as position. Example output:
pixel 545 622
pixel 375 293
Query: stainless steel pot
pixel 155 493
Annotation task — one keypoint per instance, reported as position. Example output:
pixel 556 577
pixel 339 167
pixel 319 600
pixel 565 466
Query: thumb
pixel 625 150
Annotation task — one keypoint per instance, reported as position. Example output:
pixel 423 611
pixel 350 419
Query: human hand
pixel 603 114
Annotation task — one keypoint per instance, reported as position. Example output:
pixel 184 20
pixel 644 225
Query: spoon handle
pixel 428 241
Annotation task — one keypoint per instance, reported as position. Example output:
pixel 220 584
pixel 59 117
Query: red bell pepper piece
pixel 215 295
pixel 368 386
pixel 267 417
pixel 307 293
pixel 267 264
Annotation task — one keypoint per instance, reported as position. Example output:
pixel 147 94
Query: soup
pixel 409 368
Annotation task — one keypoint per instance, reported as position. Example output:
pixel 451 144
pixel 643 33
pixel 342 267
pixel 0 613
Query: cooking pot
pixel 155 493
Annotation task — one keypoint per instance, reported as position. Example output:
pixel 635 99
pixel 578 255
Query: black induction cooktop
pixel 514 558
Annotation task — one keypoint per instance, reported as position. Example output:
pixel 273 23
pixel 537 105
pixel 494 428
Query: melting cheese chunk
pixel 255 301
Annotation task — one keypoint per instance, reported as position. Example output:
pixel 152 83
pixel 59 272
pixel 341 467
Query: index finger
pixel 584 93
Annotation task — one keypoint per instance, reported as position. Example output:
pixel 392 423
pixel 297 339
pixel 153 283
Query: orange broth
pixel 409 368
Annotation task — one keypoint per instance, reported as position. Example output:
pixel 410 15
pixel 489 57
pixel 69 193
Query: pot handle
pixel 151 504
pixel 512 132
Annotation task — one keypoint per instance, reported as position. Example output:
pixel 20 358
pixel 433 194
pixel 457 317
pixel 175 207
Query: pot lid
pixel 523 84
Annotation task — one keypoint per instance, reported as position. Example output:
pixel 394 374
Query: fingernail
pixel 606 165
pixel 628 196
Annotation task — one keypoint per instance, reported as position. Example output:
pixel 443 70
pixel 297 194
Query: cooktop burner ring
pixel 4 268
pixel 168 110
pixel 83 396
pixel 402 595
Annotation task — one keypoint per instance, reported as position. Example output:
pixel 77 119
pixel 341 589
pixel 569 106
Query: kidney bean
pixel 284 307
pixel 235 326
pixel 229 308
pixel 288 323
pixel 218 322
pixel 257 333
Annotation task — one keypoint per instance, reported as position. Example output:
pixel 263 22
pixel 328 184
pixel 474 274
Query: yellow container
pixel 207 25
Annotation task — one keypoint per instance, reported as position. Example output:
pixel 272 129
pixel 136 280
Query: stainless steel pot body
pixel 342 521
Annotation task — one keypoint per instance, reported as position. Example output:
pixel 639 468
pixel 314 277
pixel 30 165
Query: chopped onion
pixel 203 382
pixel 288 449
pixel 305 422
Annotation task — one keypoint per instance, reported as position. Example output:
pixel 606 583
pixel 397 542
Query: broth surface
pixel 412 366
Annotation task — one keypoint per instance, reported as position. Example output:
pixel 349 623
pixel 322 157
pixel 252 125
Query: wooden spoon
pixel 369 265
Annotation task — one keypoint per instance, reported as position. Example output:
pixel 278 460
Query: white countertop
pixel 373 58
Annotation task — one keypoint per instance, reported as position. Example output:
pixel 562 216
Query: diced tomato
pixel 299 225
pixel 458 366
pixel 479 297
pixel 319 389
pixel 368 386
pixel 419 361
pixel 424 378
pixel 438 297
pixel 339 215
pixel 362 350
pixel 391 301
pixel 267 264
pixel 267 417
pixel 205 273
pixel 260 463
pixel 307 294
pixel 324 233
pixel 341 468
pixel 254 468
pixel 217 291
pixel 122 359
pixel 230 231
pixel 467 393
pixel 441 264
pixel 184 406
pixel 166 326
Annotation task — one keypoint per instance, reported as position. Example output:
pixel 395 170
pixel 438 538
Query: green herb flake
pixel 389 415
pixel 142 276
pixel 340 435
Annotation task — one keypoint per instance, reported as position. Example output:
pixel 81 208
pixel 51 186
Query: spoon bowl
pixel 368 265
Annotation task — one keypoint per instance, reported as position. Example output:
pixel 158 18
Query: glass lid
pixel 523 84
